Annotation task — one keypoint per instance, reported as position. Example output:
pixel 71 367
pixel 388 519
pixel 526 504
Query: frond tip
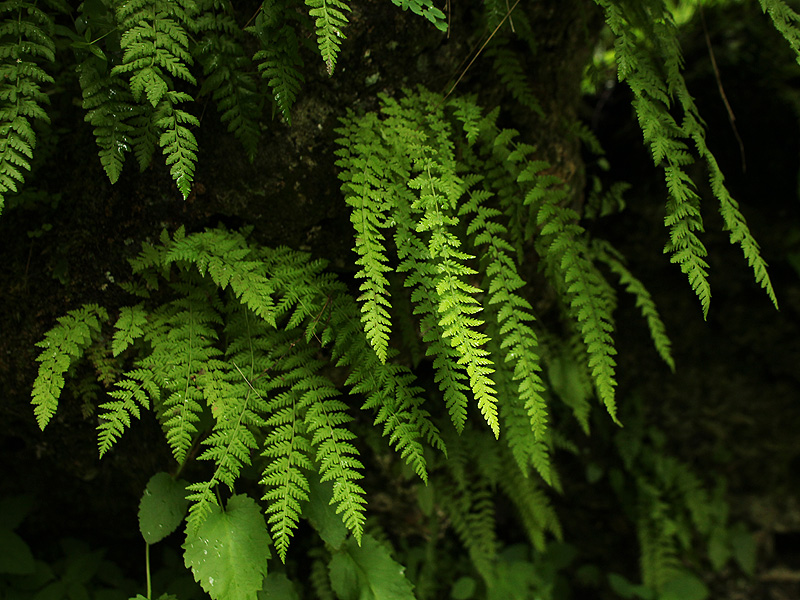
pixel 61 347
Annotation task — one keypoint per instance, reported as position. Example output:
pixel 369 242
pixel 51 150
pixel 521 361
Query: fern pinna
pixel 26 41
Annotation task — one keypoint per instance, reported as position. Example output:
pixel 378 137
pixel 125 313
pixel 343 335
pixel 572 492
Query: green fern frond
pixel 335 453
pixel 62 346
pixel 609 256
pixel 278 59
pixel 367 190
pixel 177 140
pixel 329 20
pixel 109 109
pixel 128 327
pixel 425 8
pixel 25 39
pixel 227 70
pixel 512 312
pixel 389 391
pixel 290 452
pixel 155 49
pixel 653 93
pixel 137 389
pixel 785 20
pixel 227 258
pixel 189 348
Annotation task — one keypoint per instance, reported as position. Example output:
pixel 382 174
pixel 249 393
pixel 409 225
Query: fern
pixel 25 39
pixel 278 59
pixel 226 67
pixel 656 81
pixel 109 109
pixel 329 20
pixel 368 193
pixel 426 9
pixel 62 346
pixel 785 20
pixel 156 49
pixel 608 255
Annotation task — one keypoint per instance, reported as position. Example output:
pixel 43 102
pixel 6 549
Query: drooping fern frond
pixel 227 69
pixel 25 39
pixel 561 242
pixel 62 346
pixel 653 71
pixel 367 190
pixel 329 20
pixel 608 255
pixel 278 59
pixel 785 20
pixel 109 109
pixel 155 49
pixel 512 314
pixel 389 390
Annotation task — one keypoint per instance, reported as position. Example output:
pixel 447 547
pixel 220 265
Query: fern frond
pixel 785 20
pixel 227 258
pixel 177 140
pixel 109 109
pixel 227 70
pixel 608 255
pixel 329 20
pixel 155 49
pixel 653 93
pixel 425 8
pixel 62 346
pixel 155 46
pixel 439 190
pixel 335 453
pixel 25 39
pixel 389 390
pixel 137 388
pixel 278 59
pixel 565 252
pixel 188 349
pixel 363 158
pixel 512 312
pixel 128 327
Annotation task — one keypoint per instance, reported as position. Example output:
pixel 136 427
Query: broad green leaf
pixel 15 555
pixel 278 587
pixel 228 554
pixel 322 515
pixel 685 586
pixel 14 510
pixel 368 572
pixel 162 507
pixel 744 548
pixel 718 548
pixel 463 589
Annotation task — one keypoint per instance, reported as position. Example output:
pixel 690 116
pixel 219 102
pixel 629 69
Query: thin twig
pixel 474 58
pixel 731 116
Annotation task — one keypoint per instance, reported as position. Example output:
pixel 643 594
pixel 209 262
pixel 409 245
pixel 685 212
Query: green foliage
pixel 278 59
pixel 25 41
pixel 368 572
pixel 653 72
pixel 261 366
pixel 162 507
pixel 228 554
